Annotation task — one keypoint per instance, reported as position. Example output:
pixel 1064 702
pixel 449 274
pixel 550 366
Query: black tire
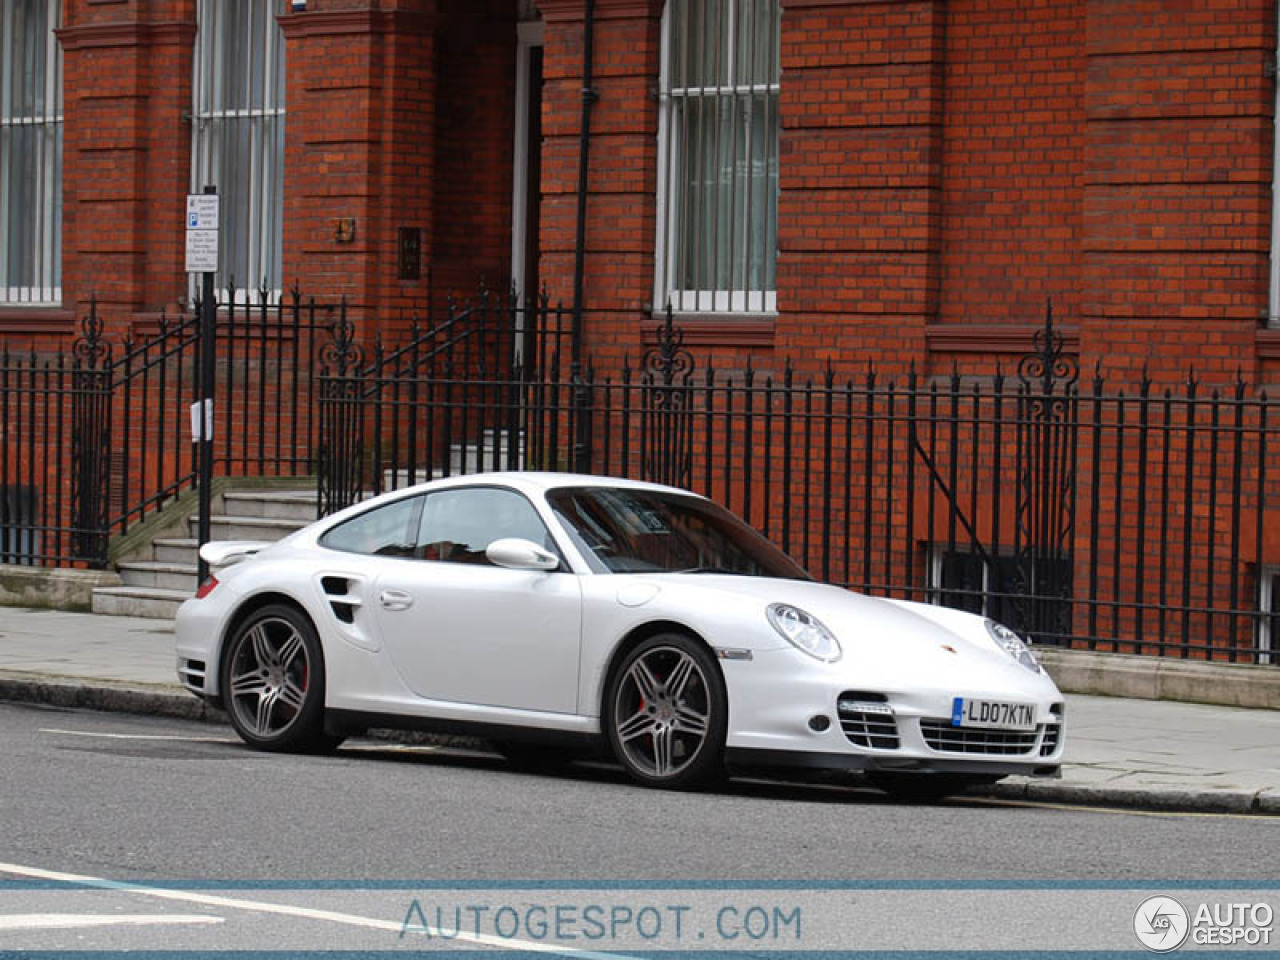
pixel 925 787
pixel 663 737
pixel 273 682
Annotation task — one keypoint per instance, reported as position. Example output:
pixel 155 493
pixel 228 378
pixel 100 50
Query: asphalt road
pixel 140 799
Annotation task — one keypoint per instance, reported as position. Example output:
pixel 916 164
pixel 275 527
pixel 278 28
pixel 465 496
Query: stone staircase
pixel 161 574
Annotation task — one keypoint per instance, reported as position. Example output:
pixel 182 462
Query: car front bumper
pixel 844 717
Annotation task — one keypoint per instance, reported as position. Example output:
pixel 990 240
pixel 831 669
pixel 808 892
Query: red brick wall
pixel 475 48
pixel 858 230
pixel 360 118
pixel 945 169
pixel 1013 160
pixel 621 179
pixel 126 153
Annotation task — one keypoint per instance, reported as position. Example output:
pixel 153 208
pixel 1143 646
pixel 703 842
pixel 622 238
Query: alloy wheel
pixel 662 712
pixel 269 676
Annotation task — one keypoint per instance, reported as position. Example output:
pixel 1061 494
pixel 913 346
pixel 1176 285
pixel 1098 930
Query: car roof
pixel 542 481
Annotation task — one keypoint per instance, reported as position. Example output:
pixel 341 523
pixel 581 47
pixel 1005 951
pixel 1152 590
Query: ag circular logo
pixel 1161 924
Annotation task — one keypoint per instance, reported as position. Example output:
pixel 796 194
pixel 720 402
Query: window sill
pixel 989 338
pixel 716 329
pixel 27 319
pixel 1268 343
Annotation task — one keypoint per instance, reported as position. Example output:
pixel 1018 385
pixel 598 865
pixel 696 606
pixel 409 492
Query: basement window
pixel 1031 597
pixel 19 514
pixel 1269 622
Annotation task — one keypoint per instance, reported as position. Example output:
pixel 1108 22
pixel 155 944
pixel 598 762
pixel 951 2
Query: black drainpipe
pixel 581 391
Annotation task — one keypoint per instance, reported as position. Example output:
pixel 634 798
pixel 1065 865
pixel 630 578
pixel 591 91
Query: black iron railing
pixel 1106 518
pixel 1114 517
pixel 98 438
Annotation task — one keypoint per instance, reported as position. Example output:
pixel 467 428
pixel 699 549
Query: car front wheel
pixel 273 682
pixel 667 712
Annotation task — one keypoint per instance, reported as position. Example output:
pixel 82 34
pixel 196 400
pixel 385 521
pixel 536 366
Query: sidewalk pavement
pixel 1131 753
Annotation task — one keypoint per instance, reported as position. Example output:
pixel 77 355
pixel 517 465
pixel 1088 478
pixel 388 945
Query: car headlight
pixel 1013 645
pixel 804 631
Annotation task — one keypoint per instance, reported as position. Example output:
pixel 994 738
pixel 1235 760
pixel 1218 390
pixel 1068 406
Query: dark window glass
pixel 385 531
pixel 1029 598
pixel 623 530
pixel 458 525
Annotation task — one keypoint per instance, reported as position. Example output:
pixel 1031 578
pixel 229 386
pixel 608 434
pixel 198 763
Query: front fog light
pixel 804 631
pixel 1013 645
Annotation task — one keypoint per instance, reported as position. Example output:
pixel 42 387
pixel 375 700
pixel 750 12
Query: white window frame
pixel 43 287
pixel 670 161
pixel 218 118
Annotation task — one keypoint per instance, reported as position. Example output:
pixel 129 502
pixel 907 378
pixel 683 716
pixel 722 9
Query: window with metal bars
pixel 30 153
pixel 717 243
pixel 1269 621
pixel 238 136
pixel 962 579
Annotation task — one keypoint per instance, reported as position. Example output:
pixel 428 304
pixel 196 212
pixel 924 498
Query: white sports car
pixel 557 614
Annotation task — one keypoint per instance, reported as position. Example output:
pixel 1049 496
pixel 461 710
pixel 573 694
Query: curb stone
pixel 158 700
pixel 170 700
pixel 161 700
pixel 1165 800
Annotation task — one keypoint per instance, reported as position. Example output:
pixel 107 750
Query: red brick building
pixel 826 183
pixel 890 181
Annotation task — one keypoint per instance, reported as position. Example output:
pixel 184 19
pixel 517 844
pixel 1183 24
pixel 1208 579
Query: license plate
pixel 992 714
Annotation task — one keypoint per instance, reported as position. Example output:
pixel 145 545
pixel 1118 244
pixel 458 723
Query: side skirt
pixel 355 722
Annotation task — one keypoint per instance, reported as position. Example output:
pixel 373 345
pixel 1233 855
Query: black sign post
pixel 199 222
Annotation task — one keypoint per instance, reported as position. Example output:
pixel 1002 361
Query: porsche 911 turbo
pixel 559 615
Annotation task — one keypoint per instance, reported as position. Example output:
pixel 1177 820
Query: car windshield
pixel 630 530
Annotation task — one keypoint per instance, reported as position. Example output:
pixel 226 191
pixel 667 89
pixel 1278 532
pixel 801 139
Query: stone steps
pixel 158 581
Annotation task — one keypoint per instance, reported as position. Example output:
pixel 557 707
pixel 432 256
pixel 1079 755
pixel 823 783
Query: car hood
pixel 888 639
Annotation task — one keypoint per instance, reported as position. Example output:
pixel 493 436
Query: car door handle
pixel 395 600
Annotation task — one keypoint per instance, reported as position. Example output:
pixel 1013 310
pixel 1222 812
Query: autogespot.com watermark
pixel 1163 924
pixel 670 924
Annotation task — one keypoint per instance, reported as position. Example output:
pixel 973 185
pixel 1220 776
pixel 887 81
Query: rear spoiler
pixel 223 553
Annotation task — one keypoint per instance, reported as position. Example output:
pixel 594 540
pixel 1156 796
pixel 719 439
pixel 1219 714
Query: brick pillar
pixel 859 226
pixel 1178 187
pixel 126 152
pixel 359 149
pixel 621 185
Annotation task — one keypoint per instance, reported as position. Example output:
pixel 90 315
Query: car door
pixel 461 629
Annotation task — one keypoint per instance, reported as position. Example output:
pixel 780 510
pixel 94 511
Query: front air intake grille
pixel 1052 734
pixel 941 736
pixel 868 721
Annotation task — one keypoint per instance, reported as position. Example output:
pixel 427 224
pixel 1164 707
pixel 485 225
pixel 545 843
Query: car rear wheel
pixel 273 682
pixel 667 712
pixel 926 787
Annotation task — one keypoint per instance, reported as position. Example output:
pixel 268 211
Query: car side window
pixel 457 526
pixel 386 531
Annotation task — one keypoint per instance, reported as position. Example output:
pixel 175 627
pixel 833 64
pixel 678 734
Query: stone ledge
pixel 51 587
pixel 1161 678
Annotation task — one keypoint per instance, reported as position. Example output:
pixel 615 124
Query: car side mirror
pixel 516 553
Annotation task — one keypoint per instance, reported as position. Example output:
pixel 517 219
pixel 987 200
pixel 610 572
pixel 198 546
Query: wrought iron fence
pixel 97 438
pixel 1113 519
pixel 1126 518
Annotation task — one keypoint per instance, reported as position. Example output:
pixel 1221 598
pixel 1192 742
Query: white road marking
pixel 136 736
pixel 302 913
pixel 71 921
